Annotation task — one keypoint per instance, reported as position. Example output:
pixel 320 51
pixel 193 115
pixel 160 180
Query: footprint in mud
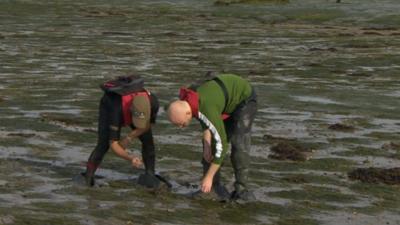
pixel 341 127
pixel 376 175
pixel 290 151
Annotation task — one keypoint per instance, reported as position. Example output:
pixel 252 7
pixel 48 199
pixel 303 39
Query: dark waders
pixel 238 128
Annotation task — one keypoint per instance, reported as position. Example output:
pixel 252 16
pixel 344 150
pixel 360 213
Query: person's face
pixel 184 121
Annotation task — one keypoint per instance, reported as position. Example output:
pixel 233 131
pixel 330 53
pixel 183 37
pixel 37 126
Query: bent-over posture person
pixel 125 103
pixel 226 107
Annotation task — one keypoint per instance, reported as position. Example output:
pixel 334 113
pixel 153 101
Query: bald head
pixel 179 113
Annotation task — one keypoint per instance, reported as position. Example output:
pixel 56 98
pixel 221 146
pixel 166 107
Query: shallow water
pixel 312 63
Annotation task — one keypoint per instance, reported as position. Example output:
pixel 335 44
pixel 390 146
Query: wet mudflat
pixel 327 77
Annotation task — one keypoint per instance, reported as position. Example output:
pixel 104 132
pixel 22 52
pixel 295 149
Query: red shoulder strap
pixel 192 98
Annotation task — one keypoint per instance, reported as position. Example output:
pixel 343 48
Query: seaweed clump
pixel 341 127
pixel 290 151
pixel 389 176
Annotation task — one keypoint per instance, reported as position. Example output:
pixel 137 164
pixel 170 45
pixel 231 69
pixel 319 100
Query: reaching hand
pixel 206 184
pixel 136 162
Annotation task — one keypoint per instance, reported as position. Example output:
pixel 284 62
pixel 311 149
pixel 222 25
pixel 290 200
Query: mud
pixel 24 135
pixel 391 146
pixel 341 127
pixel 313 63
pixel 290 151
pixel 230 2
pixel 88 12
pixel 66 122
pixel 274 139
pixel 376 175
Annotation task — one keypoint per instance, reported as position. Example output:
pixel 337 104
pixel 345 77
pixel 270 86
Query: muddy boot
pixel 148 179
pixel 89 174
pixel 240 162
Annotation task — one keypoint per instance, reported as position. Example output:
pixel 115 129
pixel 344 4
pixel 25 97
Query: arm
pixel 207 181
pixel 119 147
pixel 207 153
pixel 216 130
pixel 131 136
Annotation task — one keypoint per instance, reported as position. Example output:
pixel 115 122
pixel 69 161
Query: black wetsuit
pixel 110 122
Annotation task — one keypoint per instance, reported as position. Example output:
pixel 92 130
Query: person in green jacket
pixel 225 107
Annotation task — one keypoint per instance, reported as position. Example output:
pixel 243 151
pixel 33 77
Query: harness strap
pixel 224 90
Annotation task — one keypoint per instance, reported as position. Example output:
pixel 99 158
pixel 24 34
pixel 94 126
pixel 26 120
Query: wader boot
pixel 148 179
pixel 89 174
pixel 240 161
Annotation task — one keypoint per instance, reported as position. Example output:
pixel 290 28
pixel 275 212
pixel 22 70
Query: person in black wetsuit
pixel 137 110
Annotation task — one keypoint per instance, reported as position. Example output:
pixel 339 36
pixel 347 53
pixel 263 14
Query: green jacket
pixel 212 104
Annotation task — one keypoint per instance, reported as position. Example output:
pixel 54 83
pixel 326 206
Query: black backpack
pixel 124 85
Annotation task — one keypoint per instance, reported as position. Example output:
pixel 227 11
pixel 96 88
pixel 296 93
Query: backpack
pixel 124 85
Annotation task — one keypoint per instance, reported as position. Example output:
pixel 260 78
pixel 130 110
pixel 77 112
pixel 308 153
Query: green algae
pixel 385 197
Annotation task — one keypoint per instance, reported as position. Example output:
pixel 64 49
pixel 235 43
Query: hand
pixel 136 162
pixel 206 184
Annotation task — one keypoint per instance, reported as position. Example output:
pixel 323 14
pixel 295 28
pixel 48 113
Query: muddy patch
pixel 376 175
pixel 315 49
pixel 67 123
pixel 270 139
pixel 358 74
pixel 341 127
pixel 102 12
pixel 290 151
pixel 7 219
pixel 24 135
pixel 229 2
pixel 391 146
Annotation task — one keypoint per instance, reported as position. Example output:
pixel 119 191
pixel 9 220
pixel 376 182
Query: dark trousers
pixel 238 129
